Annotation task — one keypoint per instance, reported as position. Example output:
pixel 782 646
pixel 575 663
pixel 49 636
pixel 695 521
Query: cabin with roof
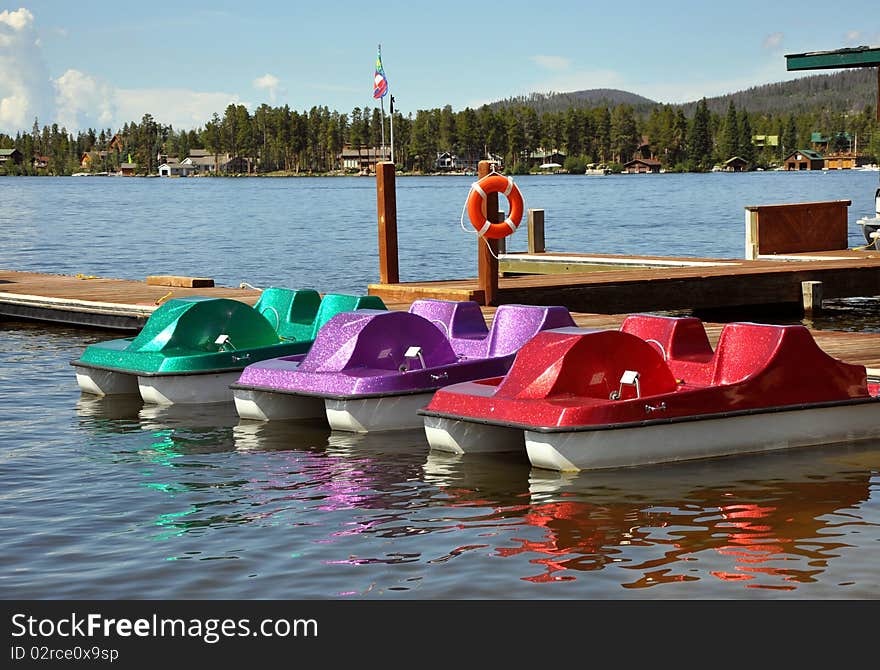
pixel 173 168
pixel 736 164
pixel 41 162
pixel 641 166
pixel 761 141
pixel 93 159
pixel 363 159
pixel 11 157
pixel 117 143
pixel 550 157
pixel 128 169
pixel 804 159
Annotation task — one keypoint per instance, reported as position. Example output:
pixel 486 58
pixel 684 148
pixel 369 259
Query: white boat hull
pixel 98 381
pixel 187 389
pixel 269 406
pixel 366 415
pixel 466 437
pixel 686 440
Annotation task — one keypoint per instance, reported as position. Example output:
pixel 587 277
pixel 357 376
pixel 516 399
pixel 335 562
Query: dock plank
pixel 66 299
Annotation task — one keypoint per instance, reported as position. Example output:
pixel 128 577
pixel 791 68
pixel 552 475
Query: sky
pixel 99 64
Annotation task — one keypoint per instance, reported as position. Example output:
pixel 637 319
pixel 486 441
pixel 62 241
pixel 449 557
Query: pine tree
pixel 746 147
pixel 700 138
pixel 790 139
pixel 730 135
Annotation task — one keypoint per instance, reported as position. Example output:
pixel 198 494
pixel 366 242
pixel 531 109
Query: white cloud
pixel 83 102
pixel 269 83
pixel 77 100
pixel 18 20
pixel 552 62
pixel 179 107
pixel 25 89
pixel 773 41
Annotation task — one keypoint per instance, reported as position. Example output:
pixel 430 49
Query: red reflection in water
pixel 757 537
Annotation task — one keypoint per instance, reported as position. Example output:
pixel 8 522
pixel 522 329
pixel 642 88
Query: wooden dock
pixel 120 304
pixel 626 284
pixel 117 304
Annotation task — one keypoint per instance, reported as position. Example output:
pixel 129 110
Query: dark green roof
pixel 8 152
pixel 809 153
pixel 829 60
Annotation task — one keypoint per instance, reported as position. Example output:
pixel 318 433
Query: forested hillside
pixel 603 125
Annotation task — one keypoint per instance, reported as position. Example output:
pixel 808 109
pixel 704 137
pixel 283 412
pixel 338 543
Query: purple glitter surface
pixel 364 352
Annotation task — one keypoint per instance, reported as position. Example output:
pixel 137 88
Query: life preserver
pixel 494 183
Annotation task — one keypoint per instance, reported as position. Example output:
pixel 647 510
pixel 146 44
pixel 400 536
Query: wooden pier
pixel 117 304
pixel 627 287
pixel 124 305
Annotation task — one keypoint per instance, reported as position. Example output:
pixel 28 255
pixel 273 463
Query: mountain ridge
pixel 850 90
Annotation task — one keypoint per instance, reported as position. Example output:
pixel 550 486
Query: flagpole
pixel 382 106
pixel 392 129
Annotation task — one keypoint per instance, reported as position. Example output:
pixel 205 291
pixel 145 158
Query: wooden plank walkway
pixel 107 303
pixel 126 304
pixel 719 283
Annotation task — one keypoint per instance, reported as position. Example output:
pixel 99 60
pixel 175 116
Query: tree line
pixel 283 140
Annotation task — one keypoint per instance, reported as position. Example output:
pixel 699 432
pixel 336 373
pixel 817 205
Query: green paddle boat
pixel 191 349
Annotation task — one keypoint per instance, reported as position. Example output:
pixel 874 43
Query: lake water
pixel 112 499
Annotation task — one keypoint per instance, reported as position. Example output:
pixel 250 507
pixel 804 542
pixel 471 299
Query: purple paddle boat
pixel 373 370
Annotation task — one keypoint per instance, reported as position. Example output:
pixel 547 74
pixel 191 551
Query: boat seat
pixel 745 349
pixel 564 367
pixel 369 340
pixel 334 303
pixel 291 312
pixel 682 341
pixel 514 325
pixel 462 323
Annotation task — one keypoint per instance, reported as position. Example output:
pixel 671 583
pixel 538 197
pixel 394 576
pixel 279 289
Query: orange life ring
pixel 476 206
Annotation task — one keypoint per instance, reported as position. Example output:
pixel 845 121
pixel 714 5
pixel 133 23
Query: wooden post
pixel 751 233
pixel 812 296
pixel 487 263
pixel 386 197
pixel 536 231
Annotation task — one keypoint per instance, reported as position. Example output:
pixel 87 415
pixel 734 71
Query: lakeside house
pixel 363 159
pixel 844 160
pixel 128 169
pixel 642 166
pixel 173 168
pixel 543 157
pixel 804 159
pixel 91 159
pixel 761 141
pixel 41 162
pixel 201 161
pixel 11 156
pixel 736 164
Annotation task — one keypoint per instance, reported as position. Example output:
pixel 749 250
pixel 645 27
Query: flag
pixel 380 83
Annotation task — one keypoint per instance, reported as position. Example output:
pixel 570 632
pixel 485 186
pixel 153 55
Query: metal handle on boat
pixel 438 322
pixel 241 357
pixel 655 408
pixel 659 346
pixel 438 376
pixel 274 311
